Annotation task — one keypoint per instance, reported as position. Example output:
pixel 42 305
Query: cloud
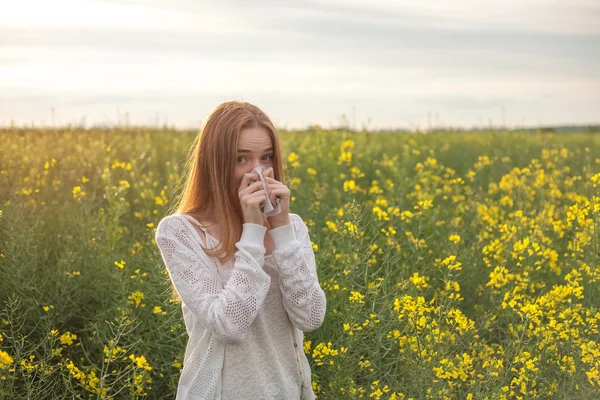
pixel 312 57
pixel 577 17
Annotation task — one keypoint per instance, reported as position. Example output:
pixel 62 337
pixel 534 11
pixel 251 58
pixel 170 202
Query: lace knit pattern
pixel 216 313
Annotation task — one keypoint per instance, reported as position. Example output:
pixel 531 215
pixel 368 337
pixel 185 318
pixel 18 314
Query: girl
pixel 247 280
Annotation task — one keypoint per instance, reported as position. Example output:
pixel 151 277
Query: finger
pixel 271 187
pixel 257 194
pixel 256 186
pixel 272 197
pixel 276 186
pixel 253 176
pixel 268 172
pixel 251 188
pixel 271 180
pixel 258 197
pixel 281 193
pixel 246 180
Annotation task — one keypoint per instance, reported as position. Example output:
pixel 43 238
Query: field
pixel 456 265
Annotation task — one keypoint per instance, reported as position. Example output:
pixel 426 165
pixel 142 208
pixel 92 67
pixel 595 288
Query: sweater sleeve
pixel 303 298
pixel 226 310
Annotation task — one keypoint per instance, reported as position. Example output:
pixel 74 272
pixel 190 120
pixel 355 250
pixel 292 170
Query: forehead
pixel 256 139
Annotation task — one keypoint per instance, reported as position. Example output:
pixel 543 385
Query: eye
pixel 270 155
pixel 238 159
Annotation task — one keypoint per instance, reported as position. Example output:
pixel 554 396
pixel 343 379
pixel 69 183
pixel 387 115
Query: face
pixel 254 149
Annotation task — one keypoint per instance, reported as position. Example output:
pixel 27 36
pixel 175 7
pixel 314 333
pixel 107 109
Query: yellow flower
pixel 424 205
pixel 331 225
pixel 123 184
pixel 159 310
pixel 348 144
pixel 5 359
pixel 323 351
pixel 351 228
pixel 136 297
pixel 118 164
pixel 76 372
pixel 295 182
pixel 350 186
pixel 307 345
pixel 67 338
pixel 454 238
pixel 452 264
pixel 381 202
pixel 406 215
pixel 140 362
pixel 381 215
pixel 356 297
pixel 78 193
pixel 419 281
pixel 72 274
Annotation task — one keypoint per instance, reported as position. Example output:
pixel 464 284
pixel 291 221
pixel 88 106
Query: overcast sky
pixel 397 63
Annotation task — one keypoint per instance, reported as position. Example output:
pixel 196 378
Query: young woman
pixel 247 279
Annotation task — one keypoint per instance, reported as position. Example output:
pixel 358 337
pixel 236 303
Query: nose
pixel 253 165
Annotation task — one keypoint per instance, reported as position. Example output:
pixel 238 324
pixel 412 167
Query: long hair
pixel 210 193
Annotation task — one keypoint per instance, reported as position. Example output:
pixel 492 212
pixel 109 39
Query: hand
pixel 276 189
pixel 252 198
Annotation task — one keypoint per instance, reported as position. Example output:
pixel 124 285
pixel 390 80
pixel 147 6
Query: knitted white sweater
pixel 233 309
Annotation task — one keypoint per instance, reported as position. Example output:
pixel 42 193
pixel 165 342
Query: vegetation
pixel 459 265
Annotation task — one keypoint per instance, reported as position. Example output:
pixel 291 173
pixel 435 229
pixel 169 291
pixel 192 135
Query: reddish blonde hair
pixel 209 192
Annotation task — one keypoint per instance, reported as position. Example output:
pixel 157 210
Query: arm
pixel 227 311
pixel 303 298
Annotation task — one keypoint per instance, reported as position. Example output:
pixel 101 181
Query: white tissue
pixel 269 210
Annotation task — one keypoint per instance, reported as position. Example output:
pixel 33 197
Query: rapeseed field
pixel 456 265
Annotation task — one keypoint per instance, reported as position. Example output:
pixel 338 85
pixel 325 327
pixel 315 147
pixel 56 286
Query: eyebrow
pixel 250 151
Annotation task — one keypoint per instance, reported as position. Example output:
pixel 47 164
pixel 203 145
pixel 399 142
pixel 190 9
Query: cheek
pixel 239 174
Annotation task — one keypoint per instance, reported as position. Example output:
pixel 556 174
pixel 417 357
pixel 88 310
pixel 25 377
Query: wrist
pixel 278 221
pixel 282 235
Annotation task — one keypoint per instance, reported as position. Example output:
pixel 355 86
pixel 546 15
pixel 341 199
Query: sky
pixel 375 64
